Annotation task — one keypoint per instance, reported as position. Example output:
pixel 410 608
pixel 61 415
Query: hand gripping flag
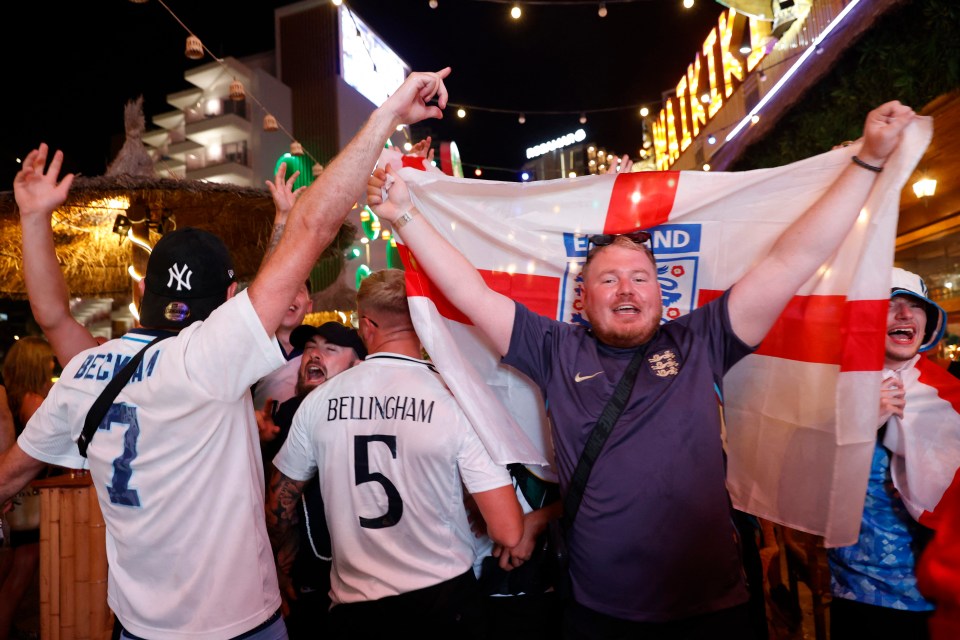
pixel 800 412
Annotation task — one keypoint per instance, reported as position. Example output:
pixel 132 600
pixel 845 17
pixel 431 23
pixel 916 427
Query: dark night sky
pixel 71 66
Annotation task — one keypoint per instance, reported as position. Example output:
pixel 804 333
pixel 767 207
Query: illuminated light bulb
pixel 515 12
pixel 461 113
pixel 712 139
pixel 524 176
pixel 400 127
pixel 364 240
pixel 705 98
pixel 522 119
pixel 477 172
pixel 644 112
pixel 755 119
pixel 433 4
pixel 591 149
pixel 643 153
pixel 687 4
pixel 706 166
pixel 948 285
pixel 583 118
pixel 572 174
pixel 336 3
pixel 407 146
pixel 592 163
pixel 602 11
pixel 925 187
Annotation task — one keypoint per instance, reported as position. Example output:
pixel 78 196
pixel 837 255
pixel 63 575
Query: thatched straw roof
pixel 95 260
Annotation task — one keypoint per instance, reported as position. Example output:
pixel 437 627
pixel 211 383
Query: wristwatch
pixel 404 219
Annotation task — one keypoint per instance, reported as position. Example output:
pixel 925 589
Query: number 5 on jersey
pixel 362 474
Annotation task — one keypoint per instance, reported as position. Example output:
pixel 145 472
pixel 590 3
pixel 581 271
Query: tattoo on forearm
pixel 274 239
pixel 282 518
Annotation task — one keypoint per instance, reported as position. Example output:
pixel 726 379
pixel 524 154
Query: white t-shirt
pixel 279 385
pixel 178 474
pixel 392 445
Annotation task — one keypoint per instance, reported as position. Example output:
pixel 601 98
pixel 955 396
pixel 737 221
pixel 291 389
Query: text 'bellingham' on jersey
pixel 374 408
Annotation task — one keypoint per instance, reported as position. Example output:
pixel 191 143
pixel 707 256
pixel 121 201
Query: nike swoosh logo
pixel 579 378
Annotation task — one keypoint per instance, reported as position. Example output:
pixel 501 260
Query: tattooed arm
pixel 282 519
pixel 284 197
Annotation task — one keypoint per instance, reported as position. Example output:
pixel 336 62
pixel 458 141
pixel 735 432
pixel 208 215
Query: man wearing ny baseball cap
pixel 174 460
pixel 874 581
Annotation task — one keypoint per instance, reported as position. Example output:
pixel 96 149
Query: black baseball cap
pixel 188 274
pixel 332 332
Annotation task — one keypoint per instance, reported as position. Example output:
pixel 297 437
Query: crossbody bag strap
pixel 102 404
pixel 601 431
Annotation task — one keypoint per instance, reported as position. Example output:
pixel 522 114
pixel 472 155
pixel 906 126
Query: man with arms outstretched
pixel 175 462
pixel 652 549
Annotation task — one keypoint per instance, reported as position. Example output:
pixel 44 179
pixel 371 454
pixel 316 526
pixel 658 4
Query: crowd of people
pixel 347 495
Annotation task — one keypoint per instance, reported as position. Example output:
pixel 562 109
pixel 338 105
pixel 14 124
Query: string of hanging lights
pixel 195 50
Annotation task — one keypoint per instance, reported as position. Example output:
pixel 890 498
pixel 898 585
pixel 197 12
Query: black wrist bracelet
pixel 860 163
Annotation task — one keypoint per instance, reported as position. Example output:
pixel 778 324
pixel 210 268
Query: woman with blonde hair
pixel 28 376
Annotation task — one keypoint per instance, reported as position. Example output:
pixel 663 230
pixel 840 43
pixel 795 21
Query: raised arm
pixel 757 299
pixel 38 194
pixel 446 267
pixel 284 197
pixel 320 210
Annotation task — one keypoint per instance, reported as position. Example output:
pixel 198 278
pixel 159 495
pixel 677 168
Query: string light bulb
pixel 194 49
pixel 712 139
pixel 644 112
pixel 687 4
pixel 515 12
pixel 237 92
pixel 477 172
pixel 583 118
pixel 522 119
pixel 433 4
pixel 461 113
pixel 270 123
pixel 602 11
pixel 296 149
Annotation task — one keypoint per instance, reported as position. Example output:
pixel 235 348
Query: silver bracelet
pixel 404 219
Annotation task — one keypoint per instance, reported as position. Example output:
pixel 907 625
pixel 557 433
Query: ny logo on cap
pixel 178 275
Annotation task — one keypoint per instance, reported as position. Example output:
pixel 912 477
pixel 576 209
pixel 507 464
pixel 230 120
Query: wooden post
pixel 73 561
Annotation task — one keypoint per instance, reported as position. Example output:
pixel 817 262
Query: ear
pixel 232 290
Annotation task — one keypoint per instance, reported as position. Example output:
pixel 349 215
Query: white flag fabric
pixel 800 413
pixel 925 443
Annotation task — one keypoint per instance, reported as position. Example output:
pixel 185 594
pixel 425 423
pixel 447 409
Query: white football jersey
pixel 391 445
pixel 177 472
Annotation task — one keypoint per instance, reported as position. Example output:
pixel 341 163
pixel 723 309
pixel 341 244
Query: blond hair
pixel 384 293
pixel 26 369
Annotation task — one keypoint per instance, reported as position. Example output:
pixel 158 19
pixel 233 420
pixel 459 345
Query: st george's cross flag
pixel 801 411
pixel 925 442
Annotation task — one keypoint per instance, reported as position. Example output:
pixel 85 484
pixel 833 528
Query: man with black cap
pixel 175 459
pixel 874 582
pixel 303 561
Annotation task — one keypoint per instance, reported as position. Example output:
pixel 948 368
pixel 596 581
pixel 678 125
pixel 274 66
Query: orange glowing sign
pixel 716 71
